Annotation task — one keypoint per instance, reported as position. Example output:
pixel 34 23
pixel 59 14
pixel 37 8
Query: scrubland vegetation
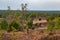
pixel 19 26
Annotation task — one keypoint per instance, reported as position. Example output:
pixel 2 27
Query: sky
pixel 31 4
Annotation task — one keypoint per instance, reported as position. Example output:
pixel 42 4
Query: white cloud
pixel 45 5
pixel 32 4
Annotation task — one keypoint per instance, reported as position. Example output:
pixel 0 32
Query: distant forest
pixel 30 11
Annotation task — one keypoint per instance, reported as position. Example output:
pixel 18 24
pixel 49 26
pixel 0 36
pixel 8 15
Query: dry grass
pixel 35 35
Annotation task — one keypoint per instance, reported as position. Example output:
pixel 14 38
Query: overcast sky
pixel 32 4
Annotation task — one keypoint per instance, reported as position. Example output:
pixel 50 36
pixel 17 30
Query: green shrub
pixel 14 25
pixel 4 25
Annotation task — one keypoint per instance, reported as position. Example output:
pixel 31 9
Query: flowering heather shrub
pixel 14 36
pixel 25 36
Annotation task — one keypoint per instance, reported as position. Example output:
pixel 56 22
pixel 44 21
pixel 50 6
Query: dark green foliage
pixel 32 15
pixel 54 25
pixel 27 28
pixel 57 23
pixel 30 23
pixel 45 14
pixel 15 25
pixel 4 25
pixel 4 15
pixel 51 17
pixel 51 25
